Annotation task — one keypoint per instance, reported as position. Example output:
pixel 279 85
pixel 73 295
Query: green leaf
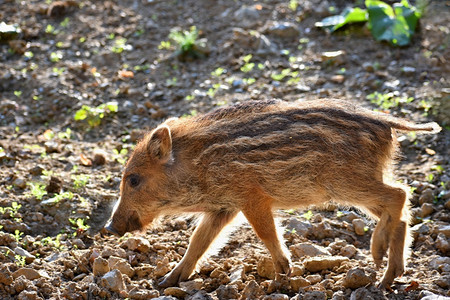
pixel 408 14
pixel 395 25
pixel 112 106
pixel 81 114
pixel 349 15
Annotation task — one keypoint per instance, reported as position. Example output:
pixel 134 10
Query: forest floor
pixel 59 177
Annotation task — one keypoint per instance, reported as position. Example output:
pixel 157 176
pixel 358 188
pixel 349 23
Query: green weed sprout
pixel 94 115
pixel 188 45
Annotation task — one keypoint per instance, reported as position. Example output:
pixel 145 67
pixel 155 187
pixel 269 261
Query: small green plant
pixel 18 94
pixel 187 43
pixel 51 242
pixel 20 260
pixel 308 215
pixel 293 4
pixel 440 169
pixel 34 148
pixel 120 45
pixel 213 90
pixel 80 181
pixel 94 115
pixel 185 39
pixel 141 68
pixel 18 235
pixel 290 211
pixel 56 56
pixel 291 231
pixel 425 105
pixel 120 156
pixel 65 135
pixel 58 71
pixel 171 82
pixel 219 71
pixel 292 75
pixel 12 210
pixel 249 81
pixel 46 174
pixel 388 100
pixel 37 190
pixel 247 66
pixel 50 29
pixel 280 76
pixel 192 113
pixel 79 225
pixel 339 214
pixel 49 134
pixel 395 25
pixel 58 197
pixel 164 45
pixel 139 32
pixel 65 22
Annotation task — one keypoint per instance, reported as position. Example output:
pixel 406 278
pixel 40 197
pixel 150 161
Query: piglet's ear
pixel 160 143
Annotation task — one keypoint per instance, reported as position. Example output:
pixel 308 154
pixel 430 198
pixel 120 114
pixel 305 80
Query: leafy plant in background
pixel 18 235
pixel 20 260
pixel 349 15
pixel 37 190
pixel 120 156
pixel 80 181
pixel 388 100
pixel 188 45
pixel 395 25
pixel 308 215
pixel 185 39
pixel 12 210
pixel 94 115
pixel 247 66
pixel 79 225
pixel 120 45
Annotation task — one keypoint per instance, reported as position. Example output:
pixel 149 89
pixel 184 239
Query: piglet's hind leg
pixel 258 211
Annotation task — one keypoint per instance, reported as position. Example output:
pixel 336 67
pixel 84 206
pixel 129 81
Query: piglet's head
pixel 143 189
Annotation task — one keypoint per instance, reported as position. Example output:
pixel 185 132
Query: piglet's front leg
pixel 209 228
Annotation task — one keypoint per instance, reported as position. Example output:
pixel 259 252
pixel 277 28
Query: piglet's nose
pixel 111 229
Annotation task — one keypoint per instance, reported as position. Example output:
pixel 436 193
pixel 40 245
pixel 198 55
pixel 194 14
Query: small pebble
pixel 265 267
pixel 359 226
pixel 175 292
pixel 426 196
pixel 100 266
pixel 426 209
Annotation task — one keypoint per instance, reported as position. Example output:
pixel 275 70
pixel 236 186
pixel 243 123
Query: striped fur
pixel 263 155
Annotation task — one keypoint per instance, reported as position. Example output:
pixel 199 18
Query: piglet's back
pixel 319 146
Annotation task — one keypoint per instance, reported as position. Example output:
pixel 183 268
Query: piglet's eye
pixel 133 180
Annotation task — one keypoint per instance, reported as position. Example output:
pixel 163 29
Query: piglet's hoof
pixel 168 281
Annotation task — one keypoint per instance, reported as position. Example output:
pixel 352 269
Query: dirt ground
pixel 60 176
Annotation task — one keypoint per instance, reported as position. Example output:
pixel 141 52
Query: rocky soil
pixel 60 176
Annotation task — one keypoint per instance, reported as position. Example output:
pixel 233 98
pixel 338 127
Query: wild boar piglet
pixel 260 156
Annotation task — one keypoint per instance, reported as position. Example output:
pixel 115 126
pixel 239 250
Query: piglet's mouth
pixel 119 225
